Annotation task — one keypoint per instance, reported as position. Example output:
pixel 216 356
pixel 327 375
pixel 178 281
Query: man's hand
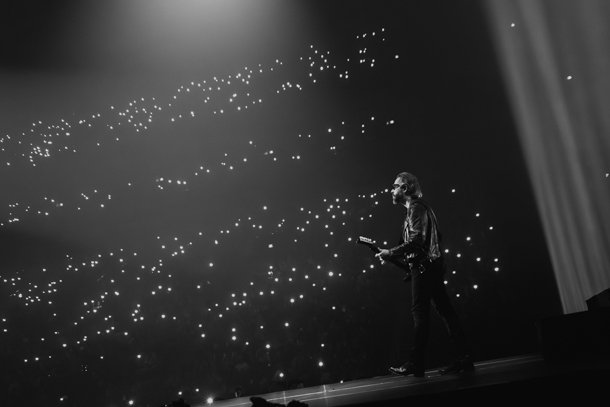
pixel 383 256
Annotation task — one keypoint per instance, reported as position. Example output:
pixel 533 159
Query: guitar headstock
pixel 368 242
pixel 365 240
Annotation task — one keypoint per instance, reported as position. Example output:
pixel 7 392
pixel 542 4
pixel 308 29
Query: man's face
pixel 398 192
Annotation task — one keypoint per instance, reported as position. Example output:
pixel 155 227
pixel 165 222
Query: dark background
pixel 424 94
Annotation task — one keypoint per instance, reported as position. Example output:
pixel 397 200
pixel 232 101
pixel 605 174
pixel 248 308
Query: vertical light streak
pixel 556 61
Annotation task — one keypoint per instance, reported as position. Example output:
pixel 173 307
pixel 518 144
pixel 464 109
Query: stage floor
pixel 503 378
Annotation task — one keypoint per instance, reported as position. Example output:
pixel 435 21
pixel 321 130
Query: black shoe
pixel 408 369
pixel 459 365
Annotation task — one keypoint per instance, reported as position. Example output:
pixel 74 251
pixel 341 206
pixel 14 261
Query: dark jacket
pixel 420 239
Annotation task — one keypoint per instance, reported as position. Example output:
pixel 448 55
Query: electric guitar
pixel 370 243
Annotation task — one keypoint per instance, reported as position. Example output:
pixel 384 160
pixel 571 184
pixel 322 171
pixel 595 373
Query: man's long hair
pixel 413 188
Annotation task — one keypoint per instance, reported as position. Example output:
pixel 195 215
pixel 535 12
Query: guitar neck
pixel 369 243
pixel 391 260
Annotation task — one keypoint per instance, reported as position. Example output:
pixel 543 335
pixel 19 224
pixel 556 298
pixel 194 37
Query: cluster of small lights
pixel 127 294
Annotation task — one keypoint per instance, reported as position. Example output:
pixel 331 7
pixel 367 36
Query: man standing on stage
pixel 420 247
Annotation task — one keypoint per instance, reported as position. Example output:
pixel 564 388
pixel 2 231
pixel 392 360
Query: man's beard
pixel 399 199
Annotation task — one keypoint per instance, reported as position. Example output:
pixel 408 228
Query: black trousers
pixel 428 288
